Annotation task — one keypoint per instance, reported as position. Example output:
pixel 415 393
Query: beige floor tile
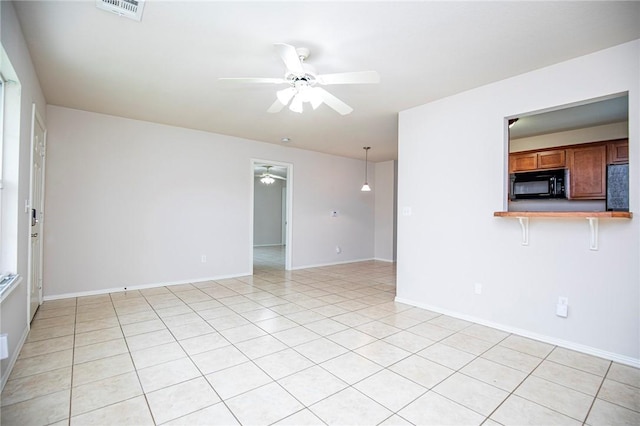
pixel 193 329
pixel 202 306
pixel 474 394
pixel 242 333
pixel 134 329
pixel 351 367
pixel 382 353
pixel 503 377
pixel 559 398
pixel 178 319
pixel 38 334
pixel 433 409
pixel 451 323
pixel 125 319
pixel 305 317
pixel 323 385
pixel 326 327
pixel 203 343
pixel 99 350
pixel 430 331
pixel 218 359
pixel 570 377
pixel 181 399
pixel 606 413
pixel 53 322
pixel 94 395
pixel 624 374
pixel 104 335
pixel 57 312
pixel 378 329
pixel 167 374
pixel 320 350
pixel 239 379
pixel 390 389
pixel 519 411
pixel 514 359
pixel 83 327
pixel 409 341
pixel 351 338
pixel 260 346
pixel 485 333
pixel 226 322
pixel 283 363
pixel 131 412
pixel 24 388
pixel 42 347
pixel 88 300
pixel 98 314
pixel 301 418
pixel 421 371
pixel 58 303
pixel 350 407
pixel 446 355
pixel 138 308
pixel 395 420
pixel 41 410
pixel 41 363
pixel 580 361
pixel 218 312
pixel 419 314
pixel 527 346
pixel 214 415
pixel 157 355
pixel 103 368
pixel 296 336
pixel 621 394
pixel 148 340
pixel 466 343
pixel 273 325
pixel 264 405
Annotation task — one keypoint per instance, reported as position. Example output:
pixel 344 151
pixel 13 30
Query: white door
pixel 38 144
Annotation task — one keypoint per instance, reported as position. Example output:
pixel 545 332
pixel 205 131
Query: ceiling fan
pixel 304 83
pixel 269 178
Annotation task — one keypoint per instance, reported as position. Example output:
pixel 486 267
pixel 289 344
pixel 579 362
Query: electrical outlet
pixel 203 258
pixel 478 288
pixel 562 308
pixel 338 249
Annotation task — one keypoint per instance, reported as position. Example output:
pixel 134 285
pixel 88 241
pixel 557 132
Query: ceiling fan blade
pixel 358 77
pixel 276 107
pixel 277 177
pixel 333 102
pixel 290 58
pixel 253 80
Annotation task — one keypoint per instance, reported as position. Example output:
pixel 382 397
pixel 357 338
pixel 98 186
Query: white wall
pixel 267 213
pixel 14 308
pixel 384 190
pixel 133 203
pixel 452 240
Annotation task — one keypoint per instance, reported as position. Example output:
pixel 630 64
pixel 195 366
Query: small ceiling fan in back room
pixel 304 84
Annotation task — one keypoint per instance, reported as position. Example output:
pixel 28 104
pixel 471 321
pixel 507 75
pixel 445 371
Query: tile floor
pixel 319 346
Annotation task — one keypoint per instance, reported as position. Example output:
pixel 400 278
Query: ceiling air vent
pixel 128 8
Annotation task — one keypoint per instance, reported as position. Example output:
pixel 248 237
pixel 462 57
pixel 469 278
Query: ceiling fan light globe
pixel 296 104
pixel 267 180
pixel 365 187
pixel 285 95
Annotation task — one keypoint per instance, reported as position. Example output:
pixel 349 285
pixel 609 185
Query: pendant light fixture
pixel 366 186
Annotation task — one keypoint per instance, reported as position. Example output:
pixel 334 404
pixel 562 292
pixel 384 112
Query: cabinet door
pixel 523 162
pixel 587 172
pixel 619 152
pixel 554 159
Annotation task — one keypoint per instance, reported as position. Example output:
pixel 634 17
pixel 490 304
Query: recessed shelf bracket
pixel 593 227
pixel 524 225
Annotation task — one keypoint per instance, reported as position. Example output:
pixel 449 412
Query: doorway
pixel 271 218
pixel 36 203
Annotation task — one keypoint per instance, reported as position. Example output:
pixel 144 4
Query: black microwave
pixel 538 185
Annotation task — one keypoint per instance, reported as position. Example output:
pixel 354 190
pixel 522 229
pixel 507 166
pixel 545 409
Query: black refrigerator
pixel 618 187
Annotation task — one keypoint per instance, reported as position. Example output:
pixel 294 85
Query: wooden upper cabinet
pixel 587 172
pixel 540 160
pixel 554 159
pixel 618 152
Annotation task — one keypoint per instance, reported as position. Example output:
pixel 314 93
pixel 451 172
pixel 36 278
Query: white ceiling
pixel 165 69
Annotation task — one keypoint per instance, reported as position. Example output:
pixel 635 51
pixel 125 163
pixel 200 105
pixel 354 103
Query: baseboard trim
pixel 320 265
pixel 269 245
pixel 14 358
pixel 141 287
pixel 622 359
pixel 384 260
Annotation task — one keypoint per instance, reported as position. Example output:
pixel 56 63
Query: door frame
pixel 36 117
pixel 288 248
